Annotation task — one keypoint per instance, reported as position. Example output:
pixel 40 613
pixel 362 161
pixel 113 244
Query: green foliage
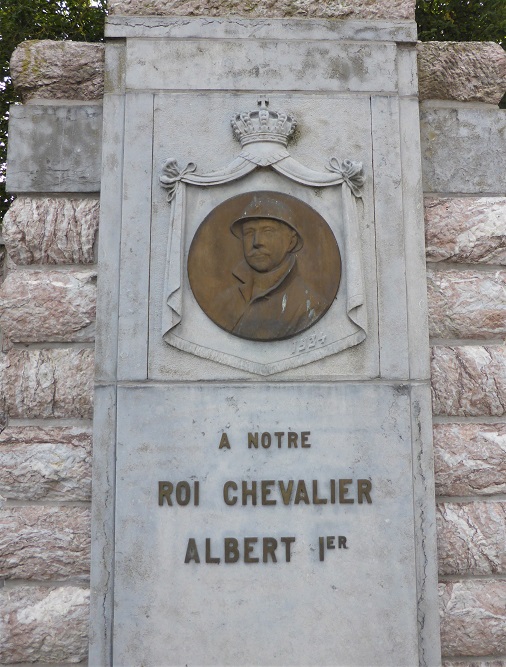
pixel 461 21
pixel 80 20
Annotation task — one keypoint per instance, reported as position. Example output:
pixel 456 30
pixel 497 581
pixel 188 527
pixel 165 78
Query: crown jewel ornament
pixel 262 124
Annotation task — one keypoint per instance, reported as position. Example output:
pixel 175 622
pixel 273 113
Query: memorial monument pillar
pixel 263 484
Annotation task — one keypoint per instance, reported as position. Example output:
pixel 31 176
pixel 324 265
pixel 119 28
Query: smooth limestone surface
pixel 301 612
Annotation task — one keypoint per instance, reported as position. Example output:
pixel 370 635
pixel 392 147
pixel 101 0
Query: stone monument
pixel 263 490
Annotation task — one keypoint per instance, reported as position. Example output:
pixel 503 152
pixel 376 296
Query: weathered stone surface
pixel 47 69
pixel 469 381
pixel 474 663
pixel 466 229
pixel 452 137
pixel 44 542
pixel 363 9
pixel 473 618
pixel 463 71
pixel 46 624
pixel 51 463
pixel 54 148
pixel 472 538
pixel 466 304
pixel 470 459
pixel 51 231
pixel 48 383
pixel 47 306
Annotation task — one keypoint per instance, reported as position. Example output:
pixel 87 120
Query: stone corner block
pixel 467 304
pixel 462 71
pixel 360 9
pixel 44 542
pixel 63 456
pixel 51 231
pixel 473 618
pixel 471 538
pixel 49 383
pixel 469 381
pixel 44 624
pixel 60 70
pixel 469 459
pixel 466 230
pixel 48 306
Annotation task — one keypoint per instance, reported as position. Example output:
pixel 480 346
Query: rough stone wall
pixel 47 315
pixel 465 216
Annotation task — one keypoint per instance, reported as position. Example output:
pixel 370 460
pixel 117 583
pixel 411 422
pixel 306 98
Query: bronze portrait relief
pixel 264 266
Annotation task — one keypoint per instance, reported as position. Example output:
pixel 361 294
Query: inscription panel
pixel 267 520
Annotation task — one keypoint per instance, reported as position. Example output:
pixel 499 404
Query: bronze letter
pixel 164 491
pixel 304 439
pixel 316 500
pixel 270 546
pixel 287 541
pixel 231 550
pixel 224 443
pixel 192 552
pixel 364 490
pixel 292 439
pixel 249 492
pixel 343 490
pixel 286 493
pixel 226 498
pixel 209 558
pixel 266 440
pixel 279 435
pixel 183 498
pixel 252 440
pixel 249 543
pixel 266 492
pixel 301 493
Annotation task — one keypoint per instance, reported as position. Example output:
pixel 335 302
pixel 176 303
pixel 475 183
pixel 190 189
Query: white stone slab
pixel 54 148
pixel 305 612
pixel 329 127
pixel 266 64
pixel 286 29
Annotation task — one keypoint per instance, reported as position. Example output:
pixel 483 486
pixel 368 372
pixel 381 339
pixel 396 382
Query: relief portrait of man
pixel 264 266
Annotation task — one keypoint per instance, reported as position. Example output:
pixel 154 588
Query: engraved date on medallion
pixel 308 343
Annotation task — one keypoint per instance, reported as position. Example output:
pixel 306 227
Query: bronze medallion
pixel 264 266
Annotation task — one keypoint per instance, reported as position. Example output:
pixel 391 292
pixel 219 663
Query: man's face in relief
pixel 266 243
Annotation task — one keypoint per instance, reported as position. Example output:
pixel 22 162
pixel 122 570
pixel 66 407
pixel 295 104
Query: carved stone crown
pixel 263 125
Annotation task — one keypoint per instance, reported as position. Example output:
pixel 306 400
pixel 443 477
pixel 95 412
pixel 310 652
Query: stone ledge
pixel 470 459
pixel 469 381
pixel 363 9
pixel 48 383
pixel 47 69
pixel 474 663
pixel 471 538
pixel 473 618
pixel 51 231
pixel 51 463
pixel 466 229
pixel 44 542
pixel 44 624
pixel 462 71
pixel 48 306
pixel 466 304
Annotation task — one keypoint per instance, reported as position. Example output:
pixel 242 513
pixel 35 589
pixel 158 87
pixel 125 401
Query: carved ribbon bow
pixel 171 175
pixel 352 173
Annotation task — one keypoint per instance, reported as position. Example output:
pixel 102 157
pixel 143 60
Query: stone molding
pixel 363 9
pixel 47 69
pixel 462 71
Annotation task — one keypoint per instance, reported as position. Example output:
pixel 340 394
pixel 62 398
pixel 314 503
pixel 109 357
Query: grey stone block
pixel 463 149
pixel 54 148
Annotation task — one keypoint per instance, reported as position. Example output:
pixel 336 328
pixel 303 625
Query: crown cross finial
pixel 263 125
